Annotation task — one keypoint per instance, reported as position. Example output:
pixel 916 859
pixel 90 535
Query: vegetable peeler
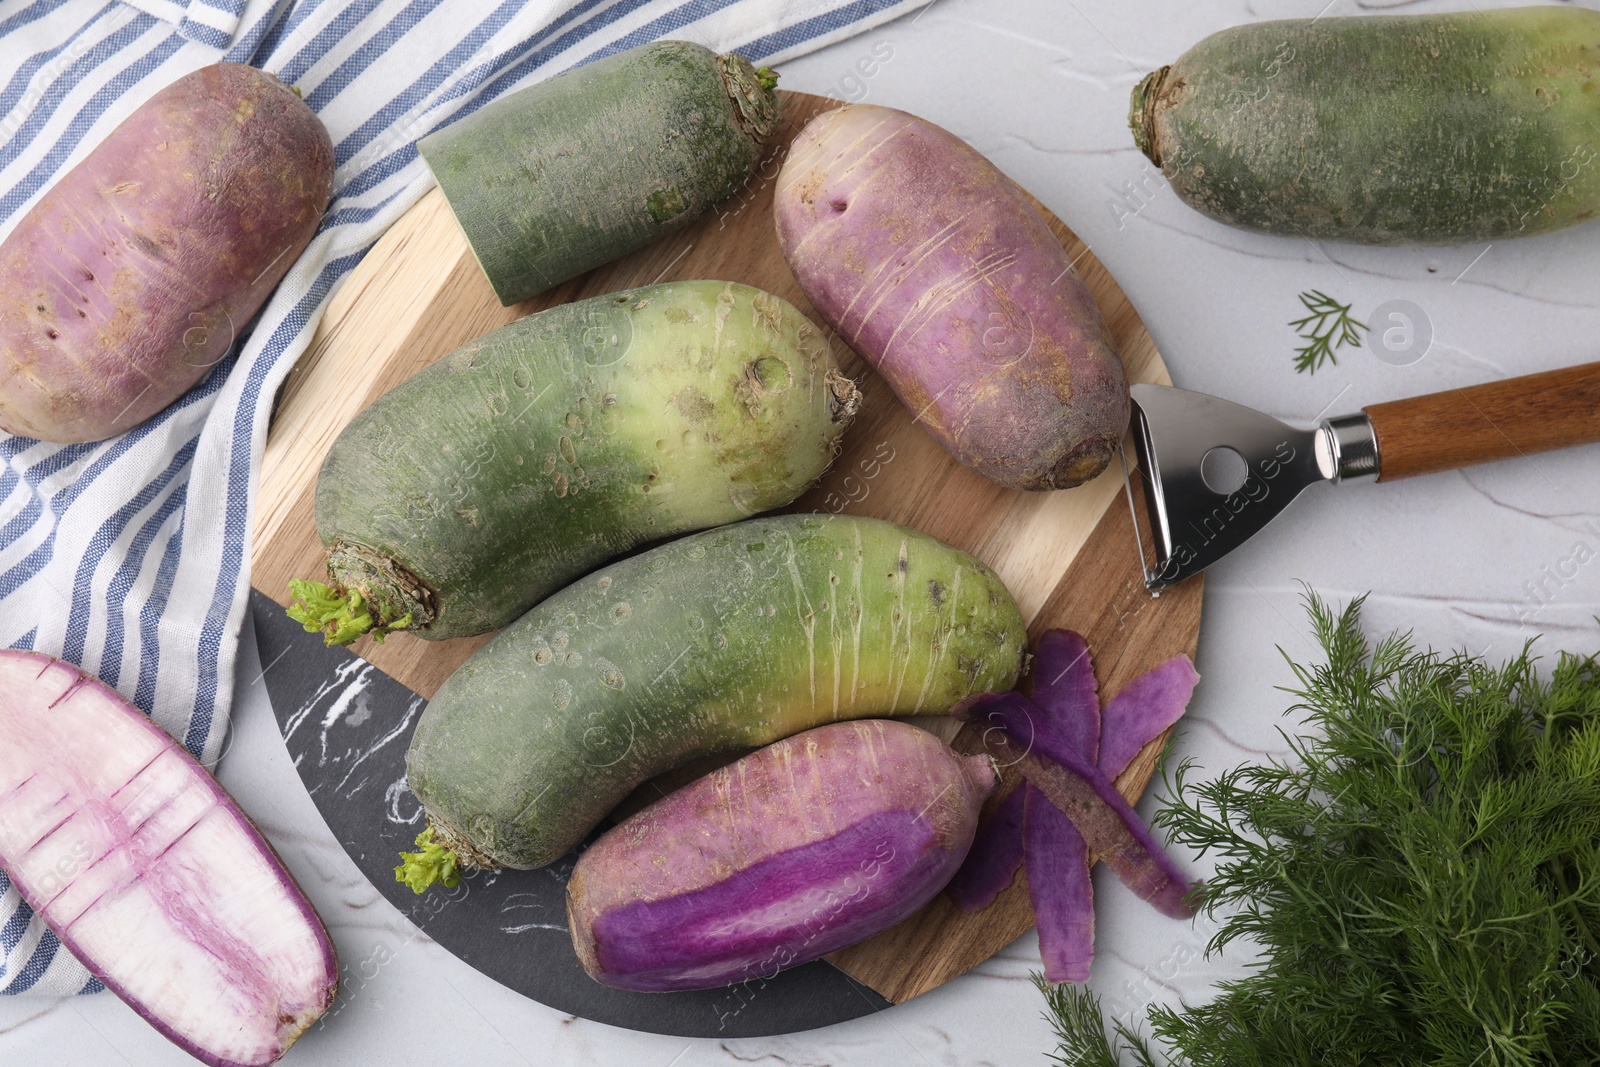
pixel 1216 472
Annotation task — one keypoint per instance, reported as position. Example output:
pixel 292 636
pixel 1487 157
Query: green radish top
pixel 341 616
pixel 751 91
pixel 433 864
pixel 504 470
pixel 1141 112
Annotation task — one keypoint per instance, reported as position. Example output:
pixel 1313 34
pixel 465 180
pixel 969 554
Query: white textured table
pixel 1041 86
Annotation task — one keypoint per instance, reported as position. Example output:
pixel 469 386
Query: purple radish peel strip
pixel 1059 888
pixel 1019 734
pixel 1065 692
pixel 1144 710
pixel 996 853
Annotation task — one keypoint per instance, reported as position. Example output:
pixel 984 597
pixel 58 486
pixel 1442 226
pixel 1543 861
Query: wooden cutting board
pixel 1070 558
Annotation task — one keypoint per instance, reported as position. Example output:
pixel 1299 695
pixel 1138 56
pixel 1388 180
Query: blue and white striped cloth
pixel 130 557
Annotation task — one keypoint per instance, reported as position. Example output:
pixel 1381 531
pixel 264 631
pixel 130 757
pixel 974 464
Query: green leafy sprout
pixel 434 863
pixel 1328 325
pixel 340 617
pixel 1421 875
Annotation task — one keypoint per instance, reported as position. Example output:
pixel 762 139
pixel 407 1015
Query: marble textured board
pixel 347 726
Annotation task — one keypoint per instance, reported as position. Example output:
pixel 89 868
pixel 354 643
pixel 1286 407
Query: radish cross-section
pixel 149 873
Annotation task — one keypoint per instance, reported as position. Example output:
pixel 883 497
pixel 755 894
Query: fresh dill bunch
pixel 1421 875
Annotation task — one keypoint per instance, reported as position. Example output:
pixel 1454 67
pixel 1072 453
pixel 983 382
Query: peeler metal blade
pixel 1216 472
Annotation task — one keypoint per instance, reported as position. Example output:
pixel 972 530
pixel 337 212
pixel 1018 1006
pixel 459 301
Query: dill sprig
pixel 1421 875
pixel 1328 325
pixel 1080 1029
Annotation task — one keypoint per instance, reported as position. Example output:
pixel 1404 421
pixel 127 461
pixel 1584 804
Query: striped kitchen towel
pixel 130 556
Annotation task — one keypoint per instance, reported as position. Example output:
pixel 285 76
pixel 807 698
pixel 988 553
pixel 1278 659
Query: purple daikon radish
pixel 1143 711
pixel 1059 888
pixel 800 848
pixel 149 873
pixel 944 276
pixel 995 855
pixel 135 272
pixel 1110 827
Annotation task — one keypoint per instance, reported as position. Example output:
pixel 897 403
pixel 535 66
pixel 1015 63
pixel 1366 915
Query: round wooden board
pixel 1070 557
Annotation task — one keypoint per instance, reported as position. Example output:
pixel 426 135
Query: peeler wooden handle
pixel 1482 423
